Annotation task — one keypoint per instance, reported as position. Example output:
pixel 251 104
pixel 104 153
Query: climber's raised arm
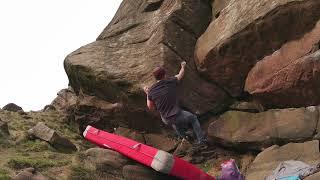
pixel 181 72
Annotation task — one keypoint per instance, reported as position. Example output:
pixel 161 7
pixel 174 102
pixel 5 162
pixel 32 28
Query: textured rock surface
pixel 65 99
pixel 315 176
pixel 43 132
pixel 160 141
pixel 12 107
pixel 107 161
pixel 90 110
pixel 49 108
pixel 139 172
pixel 248 30
pixel 113 163
pixel 141 36
pixel 252 106
pixel 131 134
pixel 258 130
pixel 105 115
pixel 218 6
pixel 30 174
pixel 278 78
pixel 270 158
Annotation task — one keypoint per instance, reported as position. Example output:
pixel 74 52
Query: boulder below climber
pixel 105 160
pixel 131 134
pixel 269 159
pixel 160 141
pixel 139 172
pixel 259 130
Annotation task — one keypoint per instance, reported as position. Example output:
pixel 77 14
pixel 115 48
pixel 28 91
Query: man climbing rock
pixel 162 96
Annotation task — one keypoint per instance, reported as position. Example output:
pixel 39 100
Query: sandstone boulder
pixel 107 161
pixel 49 108
pixel 12 107
pixel 218 6
pixel 30 174
pixel 270 158
pixel 91 110
pixel 131 134
pixel 258 130
pixel 315 176
pixel 143 35
pixel 252 106
pixel 65 99
pixel 43 132
pixel 245 32
pixel 291 84
pixel 139 172
pixel 160 141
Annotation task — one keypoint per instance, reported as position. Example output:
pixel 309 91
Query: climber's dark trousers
pixel 183 120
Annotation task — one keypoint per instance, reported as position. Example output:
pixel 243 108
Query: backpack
pixel 230 171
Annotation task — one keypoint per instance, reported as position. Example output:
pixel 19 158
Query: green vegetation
pixel 81 173
pixel 4 143
pixel 18 151
pixel 80 156
pixel 37 163
pixel 206 167
pixel 4 175
pixel 35 146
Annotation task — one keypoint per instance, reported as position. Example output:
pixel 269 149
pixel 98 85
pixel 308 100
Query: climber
pixel 162 96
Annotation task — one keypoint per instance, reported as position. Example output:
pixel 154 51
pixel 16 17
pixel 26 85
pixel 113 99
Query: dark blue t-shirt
pixel 164 96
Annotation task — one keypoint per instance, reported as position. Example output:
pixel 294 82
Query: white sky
pixel 35 37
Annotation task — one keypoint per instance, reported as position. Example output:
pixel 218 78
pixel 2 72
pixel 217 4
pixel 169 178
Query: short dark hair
pixel 159 73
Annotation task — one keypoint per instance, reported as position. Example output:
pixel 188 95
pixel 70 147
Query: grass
pixel 35 162
pixel 80 173
pixel 19 152
pixel 35 146
pixel 81 156
pixel 207 166
pixel 4 143
pixel 4 175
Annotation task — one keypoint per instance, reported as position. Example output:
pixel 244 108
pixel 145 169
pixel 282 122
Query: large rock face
pixel 141 36
pixel 289 72
pixel 269 159
pixel 218 6
pixel 248 30
pixel 259 130
pixel 91 110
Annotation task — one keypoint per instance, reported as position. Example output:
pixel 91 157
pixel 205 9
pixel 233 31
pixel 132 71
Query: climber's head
pixel 159 73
